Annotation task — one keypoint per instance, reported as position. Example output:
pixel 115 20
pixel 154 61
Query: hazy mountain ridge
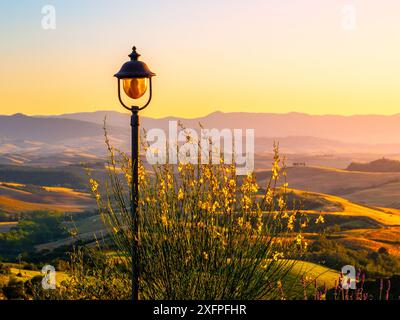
pixel 69 138
pixel 47 130
pixel 296 132
pixel 364 129
pixel 47 141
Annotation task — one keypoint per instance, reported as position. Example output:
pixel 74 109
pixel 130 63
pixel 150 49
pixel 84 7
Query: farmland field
pixel 370 188
pixel 352 221
pixel 16 198
pixel 6 226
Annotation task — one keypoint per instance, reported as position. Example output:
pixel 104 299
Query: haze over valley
pixel 332 141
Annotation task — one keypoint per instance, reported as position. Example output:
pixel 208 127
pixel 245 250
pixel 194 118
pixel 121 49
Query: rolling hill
pixel 380 165
pixel 369 188
pixel 15 198
pixel 361 227
pixel 6 226
pixel 384 217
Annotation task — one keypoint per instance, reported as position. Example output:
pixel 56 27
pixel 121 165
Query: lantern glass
pixel 135 88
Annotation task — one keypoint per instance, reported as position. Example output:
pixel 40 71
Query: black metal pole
pixel 134 206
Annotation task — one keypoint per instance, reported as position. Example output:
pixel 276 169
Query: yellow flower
pixel 201 224
pixel 254 188
pixel 281 203
pixel 180 194
pixel 268 196
pixel 260 225
pixel 205 255
pixel 320 219
pixel 299 239
pixel 94 184
pixel 215 206
pixel 246 202
pixel 128 178
pixel 164 220
pixel 278 255
pixel 275 170
pixel 264 264
pixel 290 225
pixel 73 233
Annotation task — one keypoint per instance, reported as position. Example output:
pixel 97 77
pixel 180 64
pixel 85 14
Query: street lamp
pixel 136 77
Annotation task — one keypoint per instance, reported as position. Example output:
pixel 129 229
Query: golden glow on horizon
pixel 292 61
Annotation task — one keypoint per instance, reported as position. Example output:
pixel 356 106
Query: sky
pixel 279 56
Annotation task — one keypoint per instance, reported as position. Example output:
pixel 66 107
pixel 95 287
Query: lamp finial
pixel 134 55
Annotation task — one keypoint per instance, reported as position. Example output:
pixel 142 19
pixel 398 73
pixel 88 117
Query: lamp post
pixel 136 77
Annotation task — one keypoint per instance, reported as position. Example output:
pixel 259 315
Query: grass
pixel 323 275
pixel 29 274
pixel 25 275
pixel 305 277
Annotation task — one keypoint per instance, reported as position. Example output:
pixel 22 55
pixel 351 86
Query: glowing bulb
pixel 135 88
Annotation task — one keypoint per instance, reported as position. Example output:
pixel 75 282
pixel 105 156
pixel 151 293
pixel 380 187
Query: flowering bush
pixel 204 232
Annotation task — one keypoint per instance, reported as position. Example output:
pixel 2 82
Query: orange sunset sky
pixel 229 55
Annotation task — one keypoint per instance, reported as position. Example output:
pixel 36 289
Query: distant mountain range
pixel 48 130
pixel 70 137
pixel 296 132
pixel 51 140
pixel 360 129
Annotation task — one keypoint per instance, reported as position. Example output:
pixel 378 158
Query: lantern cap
pixel 134 68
